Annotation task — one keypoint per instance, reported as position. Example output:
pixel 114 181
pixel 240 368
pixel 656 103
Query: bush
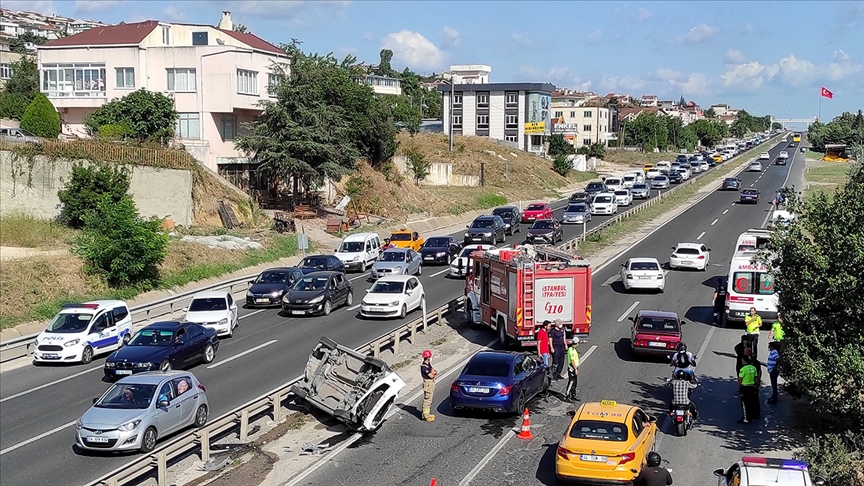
pixel 12 105
pixel 113 132
pixel 562 165
pixel 834 457
pixel 417 164
pixel 41 118
pixel 120 245
pixel 486 200
pixel 147 115
pixel 86 188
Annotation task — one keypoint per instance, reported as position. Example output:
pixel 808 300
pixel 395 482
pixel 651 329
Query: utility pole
pixel 451 112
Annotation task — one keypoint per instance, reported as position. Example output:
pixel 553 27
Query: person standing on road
pixel 749 392
pixel 543 344
pixel 740 350
pixel 777 332
pixel 753 322
pixel 572 371
pixel 653 474
pixel 719 300
pixel 558 341
pixel 773 369
pixel 428 373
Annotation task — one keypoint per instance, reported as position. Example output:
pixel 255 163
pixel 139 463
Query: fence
pixel 106 151
pixel 269 403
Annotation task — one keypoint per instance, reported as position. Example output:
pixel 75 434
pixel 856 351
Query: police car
pixel 81 331
pixel 752 470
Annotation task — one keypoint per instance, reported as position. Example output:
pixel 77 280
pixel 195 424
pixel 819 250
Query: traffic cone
pixel 525 433
pixel 433 483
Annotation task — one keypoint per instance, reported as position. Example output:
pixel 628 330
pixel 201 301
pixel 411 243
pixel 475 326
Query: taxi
pixel 717 158
pixel 647 167
pixel 605 443
pixel 404 238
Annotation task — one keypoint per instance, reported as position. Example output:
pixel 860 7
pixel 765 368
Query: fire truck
pixel 513 290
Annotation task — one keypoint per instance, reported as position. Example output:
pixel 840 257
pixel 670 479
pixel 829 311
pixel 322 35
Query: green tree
pixel 19 44
pixel 13 105
pixel 706 132
pixel 146 116
pixel 649 131
pixel 562 164
pixel 682 102
pixel 88 185
pixel 41 118
pixel 20 89
pixel 710 113
pixel 776 126
pixel 384 68
pixel 558 145
pixel 847 129
pixel 241 29
pixel 417 164
pixel 121 245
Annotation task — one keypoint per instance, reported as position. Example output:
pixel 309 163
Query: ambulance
pixel 750 284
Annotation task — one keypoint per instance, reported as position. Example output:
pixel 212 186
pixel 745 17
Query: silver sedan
pixel 397 261
pixel 139 409
pixel 640 191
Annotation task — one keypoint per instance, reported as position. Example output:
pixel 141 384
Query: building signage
pixel 538 112
pixel 535 128
pixel 565 128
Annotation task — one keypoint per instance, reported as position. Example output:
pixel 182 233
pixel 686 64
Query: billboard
pixel 538 112
pixel 535 128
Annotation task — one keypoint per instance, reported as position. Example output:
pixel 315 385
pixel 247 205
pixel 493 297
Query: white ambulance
pixel 81 331
pixel 750 284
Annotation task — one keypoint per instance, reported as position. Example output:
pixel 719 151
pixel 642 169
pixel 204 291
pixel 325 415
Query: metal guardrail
pixel 239 418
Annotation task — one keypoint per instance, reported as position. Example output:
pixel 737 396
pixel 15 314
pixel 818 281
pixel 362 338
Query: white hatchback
pixel 215 309
pixel 393 296
pixel 604 203
pixel 642 273
pixel 81 331
pixel 614 183
pixel 764 156
pixel 690 255
pixel 623 197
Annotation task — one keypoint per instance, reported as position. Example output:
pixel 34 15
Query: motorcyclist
pixel 682 384
pixel 683 360
pixel 653 474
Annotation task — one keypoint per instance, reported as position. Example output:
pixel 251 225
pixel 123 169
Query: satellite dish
pixel 220 42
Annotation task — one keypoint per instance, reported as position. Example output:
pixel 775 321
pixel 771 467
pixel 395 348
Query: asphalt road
pixel 39 406
pixel 481 449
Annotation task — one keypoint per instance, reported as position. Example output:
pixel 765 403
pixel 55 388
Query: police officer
pixel 558 340
pixel 653 474
pixel 777 332
pixel 720 294
pixel 753 322
pixel 572 370
pixel 749 391
pixel 428 373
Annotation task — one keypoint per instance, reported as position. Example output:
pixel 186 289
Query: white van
pixel 751 284
pixel 81 331
pixel 663 166
pixel 359 251
pixel 631 178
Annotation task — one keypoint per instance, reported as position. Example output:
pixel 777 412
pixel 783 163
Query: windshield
pixel 351 247
pixel 629 178
pixel 594 186
pixel 731 181
pixel 314 262
pixel 580 195
pixel 659 178
pixel 657 324
pixel 577 208
pixel 622 193
pixel 436 243
pixel 127 396
pixel 400 237
pixel 749 192
pixel 393 256
pixel 272 278
pixel 687 251
pixel 613 182
pixel 388 288
pixel 64 323
pixel 543 225
pixel 535 207
pixel 487 367
pixel 640 186
pixel 152 337
pixel 603 199
pixel 504 213
pixel 309 284
pixel 483 223
pixel 207 305
pixel 597 430
pixel 644 266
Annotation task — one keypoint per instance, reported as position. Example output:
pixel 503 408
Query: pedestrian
pixel 777 333
pixel 558 341
pixel 740 349
pixel 753 322
pixel 773 369
pixel 572 371
pixel 749 392
pixel 543 343
pixel 428 373
pixel 719 300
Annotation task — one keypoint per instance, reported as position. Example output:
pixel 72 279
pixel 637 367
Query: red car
pixel 655 333
pixel 537 211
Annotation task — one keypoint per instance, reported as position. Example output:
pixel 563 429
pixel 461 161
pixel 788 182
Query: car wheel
pixel 201 416
pixel 363 266
pixel 403 312
pixel 165 365
pixel 209 353
pixel 327 307
pixel 419 270
pixel 349 301
pixel 87 355
pixel 148 441
pixel 521 403
pixel 547 382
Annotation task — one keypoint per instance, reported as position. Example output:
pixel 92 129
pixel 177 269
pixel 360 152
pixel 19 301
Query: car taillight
pixel 201 387
pixel 673 256
pixel 701 257
pixel 505 390
pixel 563 453
pixel 627 457
pixel 454 387
pixel 629 276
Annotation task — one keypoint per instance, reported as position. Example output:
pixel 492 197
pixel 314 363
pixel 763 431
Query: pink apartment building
pixel 215 76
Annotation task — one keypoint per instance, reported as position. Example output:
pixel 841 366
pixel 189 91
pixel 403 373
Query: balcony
pixel 383 84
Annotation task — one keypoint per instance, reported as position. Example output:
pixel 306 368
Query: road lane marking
pixel 715 221
pixel 46 385
pixel 703 233
pixel 244 316
pixel 724 212
pixel 359 276
pixel 628 311
pixel 34 439
pixel 353 307
pixel 439 273
pixel 609 280
pixel 244 353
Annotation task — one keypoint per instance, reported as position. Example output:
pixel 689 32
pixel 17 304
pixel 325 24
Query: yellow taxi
pixel 647 167
pixel 404 238
pixel 717 158
pixel 606 443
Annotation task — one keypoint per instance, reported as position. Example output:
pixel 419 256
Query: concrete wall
pixel 157 192
pixel 440 174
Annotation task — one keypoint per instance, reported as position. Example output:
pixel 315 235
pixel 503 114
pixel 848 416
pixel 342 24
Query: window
pixel 457 121
pixel 272 83
pixel 166 35
pixel 586 128
pixel 586 114
pixel 511 121
pixel 510 138
pixel 512 98
pixel 482 121
pixel 586 141
pixel 559 114
pixel 229 126
pixel 744 283
pixel 188 125
pixel 5 71
pixel 125 78
pixel 120 313
pixel 247 82
pixel 182 80
pixel 482 99
pixel 572 114
pixel 79 80
pixel 457 98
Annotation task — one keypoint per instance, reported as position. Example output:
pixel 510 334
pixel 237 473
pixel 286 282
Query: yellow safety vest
pixel 753 323
pixel 777 328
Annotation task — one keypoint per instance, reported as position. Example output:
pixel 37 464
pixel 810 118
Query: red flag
pixel 826 93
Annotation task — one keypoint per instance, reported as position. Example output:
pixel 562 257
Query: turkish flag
pixel 826 93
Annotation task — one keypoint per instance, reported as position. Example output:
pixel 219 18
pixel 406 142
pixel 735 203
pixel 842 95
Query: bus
pixel 796 138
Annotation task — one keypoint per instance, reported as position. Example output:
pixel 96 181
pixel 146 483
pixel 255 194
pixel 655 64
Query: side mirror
pixel 251 282
pixel 467 225
pixel 819 481
pixel 164 404
pixel 634 471
pixel 632 319
pixel 719 471
pixel 683 322
pixel 185 309
pixel 709 249
pixel 335 250
pixel 571 413
pixel 95 400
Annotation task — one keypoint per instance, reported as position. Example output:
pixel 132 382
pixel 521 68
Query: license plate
pixel 590 458
pixel 262 301
pixel 123 372
pixel 427 257
pixel 102 440
pixel 377 309
pixel 657 344
pixel 50 356
pixel 475 389
pixel 298 313
pixel 645 277
pixel 685 262
pixel 679 412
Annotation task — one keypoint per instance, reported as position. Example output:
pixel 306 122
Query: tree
pixel 12 105
pixel 88 186
pixel 121 245
pixel 20 89
pixel 145 115
pixel 241 29
pixel 384 68
pixel 707 132
pixel 847 129
pixel 417 164
pixel 710 113
pixel 562 164
pixel 558 145
pixel 41 118
pixel 776 126
pixel 19 44
pixel 682 102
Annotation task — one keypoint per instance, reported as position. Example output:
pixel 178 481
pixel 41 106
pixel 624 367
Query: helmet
pixel 427 354
pixel 682 375
pixel 682 348
pixel 575 340
pixel 653 459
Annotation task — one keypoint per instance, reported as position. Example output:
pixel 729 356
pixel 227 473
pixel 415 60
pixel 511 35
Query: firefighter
pixel 428 373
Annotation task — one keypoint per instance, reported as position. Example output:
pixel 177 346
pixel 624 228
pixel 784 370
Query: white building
pixel 469 74
pixel 383 84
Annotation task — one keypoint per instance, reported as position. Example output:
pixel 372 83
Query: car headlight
pixel 129 426
pixel 393 304
pixel 275 293
pixel 110 364
pixel 248 293
pixel 222 322
pixel 79 425
pixel 441 253
pixel 467 234
pixel 397 269
pixel 356 258
pixel 71 343
pixel 142 365
pixel 487 234
pixel 285 298
pixel 315 300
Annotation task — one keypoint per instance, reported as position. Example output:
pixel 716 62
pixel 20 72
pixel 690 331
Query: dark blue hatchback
pixel 499 382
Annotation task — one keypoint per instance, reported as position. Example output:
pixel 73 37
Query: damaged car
pixel 356 389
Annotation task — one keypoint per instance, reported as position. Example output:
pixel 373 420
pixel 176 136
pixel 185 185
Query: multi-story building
pixel 215 76
pixel 648 100
pixel 383 84
pixel 583 125
pixel 469 74
pixel 6 61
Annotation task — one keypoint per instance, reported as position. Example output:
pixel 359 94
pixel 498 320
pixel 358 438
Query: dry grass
pixel 637 159
pixel 26 231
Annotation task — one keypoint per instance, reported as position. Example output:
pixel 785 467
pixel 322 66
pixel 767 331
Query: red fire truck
pixel 513 290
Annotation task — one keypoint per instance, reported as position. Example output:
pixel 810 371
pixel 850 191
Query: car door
pixel 413 293
pixel 182 351
pixel 98 337
pixel 168 418
pixel 533 376
pixel 197 341
pixel 188 398
pixel 343 287
pixel 411 264
pixel 649 429
pixel 122 321
pixel 520 376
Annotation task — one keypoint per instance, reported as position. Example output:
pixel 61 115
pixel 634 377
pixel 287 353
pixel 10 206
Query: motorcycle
pixel 681 417
pixel 691 370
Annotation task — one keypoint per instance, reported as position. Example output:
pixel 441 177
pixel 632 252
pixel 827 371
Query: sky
pixel 764 57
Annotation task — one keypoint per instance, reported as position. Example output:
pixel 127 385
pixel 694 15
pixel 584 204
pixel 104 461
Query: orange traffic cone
pixel 525 433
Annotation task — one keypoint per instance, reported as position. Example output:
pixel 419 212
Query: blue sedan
pixel 163 346
pixel 499 382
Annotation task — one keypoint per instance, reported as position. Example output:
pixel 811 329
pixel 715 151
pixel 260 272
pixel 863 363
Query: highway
pixel 481 449
pixel 39 406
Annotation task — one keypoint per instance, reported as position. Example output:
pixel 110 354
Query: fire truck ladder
pixel 528 294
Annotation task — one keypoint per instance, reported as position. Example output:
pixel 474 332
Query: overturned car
pixel 358 390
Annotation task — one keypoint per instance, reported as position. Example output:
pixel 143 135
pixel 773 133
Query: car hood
pixel 402 244
pixel 575 215
pixel 267 288
pixel 460 262
pixel 382 298
pixel 540 231
pixel 480 231
pixel 294 295
pixel 432 250
pixel 110 418
pixel 138 354
pixel 348 256
pixel 210 316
